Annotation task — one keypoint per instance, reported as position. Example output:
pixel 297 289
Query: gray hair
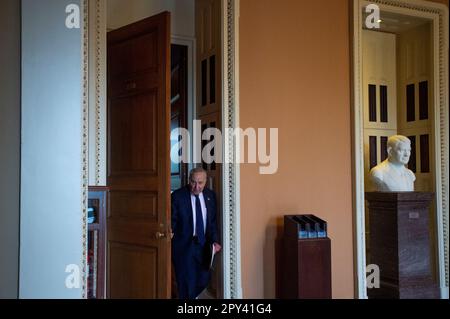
pixel 196 170
pixel 394 140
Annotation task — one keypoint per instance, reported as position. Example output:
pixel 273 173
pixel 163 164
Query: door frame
pixel 438 14
pixel 94 111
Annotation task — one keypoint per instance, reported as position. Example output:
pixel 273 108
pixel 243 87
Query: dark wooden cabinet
pixel 97 210
pixel 304 265
pixel 306 268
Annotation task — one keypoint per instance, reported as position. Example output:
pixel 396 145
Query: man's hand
pixel 217 247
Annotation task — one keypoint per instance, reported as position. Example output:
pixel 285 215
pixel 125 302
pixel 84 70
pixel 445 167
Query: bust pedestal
pixel 400 244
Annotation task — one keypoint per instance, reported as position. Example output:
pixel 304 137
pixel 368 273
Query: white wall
pixel 51 182
pixel 9 147
pixel 121 13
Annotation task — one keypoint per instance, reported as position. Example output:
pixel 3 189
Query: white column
pixel 52 179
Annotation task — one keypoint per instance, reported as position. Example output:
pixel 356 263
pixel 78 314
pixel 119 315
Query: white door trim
pixel 231 174
pixel 438 14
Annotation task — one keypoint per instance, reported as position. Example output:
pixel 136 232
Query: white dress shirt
pixel 203 205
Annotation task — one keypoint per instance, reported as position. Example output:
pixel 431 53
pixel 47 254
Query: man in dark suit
pixel 194 234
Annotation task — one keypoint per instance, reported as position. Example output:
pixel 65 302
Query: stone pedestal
pixel 400 244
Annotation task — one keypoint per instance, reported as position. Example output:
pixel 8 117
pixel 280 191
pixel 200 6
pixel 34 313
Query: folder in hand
pixel 209 256
pixel 213 253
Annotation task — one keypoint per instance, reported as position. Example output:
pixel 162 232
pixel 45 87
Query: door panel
pixel 126 259
pixel 139 159
pixel 135 55
pixel 133 136
pixel 137 204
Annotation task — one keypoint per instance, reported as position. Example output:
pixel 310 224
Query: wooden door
pixel 138 260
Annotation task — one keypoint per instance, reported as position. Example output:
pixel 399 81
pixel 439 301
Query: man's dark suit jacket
pixel 190 259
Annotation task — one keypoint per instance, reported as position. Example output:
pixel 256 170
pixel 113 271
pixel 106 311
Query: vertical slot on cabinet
pixel 410 103
pixel 373 151
pixel 423 100
pixel 212 79
pixel 383 104
pixel 372 103
pixel 412 164
pixel 424 154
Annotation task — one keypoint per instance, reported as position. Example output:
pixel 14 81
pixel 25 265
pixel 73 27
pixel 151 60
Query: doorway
pixel 400 74
pixel 98 10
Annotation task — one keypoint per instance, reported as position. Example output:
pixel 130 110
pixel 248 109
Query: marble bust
pixel 392 175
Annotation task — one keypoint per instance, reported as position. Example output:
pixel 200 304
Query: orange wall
pixel 295 75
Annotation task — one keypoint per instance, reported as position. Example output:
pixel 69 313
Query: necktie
pixel 199 229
